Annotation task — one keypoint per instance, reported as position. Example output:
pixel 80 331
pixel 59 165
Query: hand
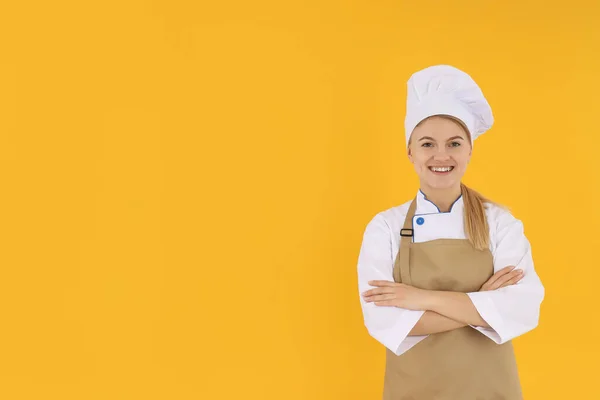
pixel 397 295
pixel 506 276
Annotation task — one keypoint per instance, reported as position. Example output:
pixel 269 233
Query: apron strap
pixel 402 262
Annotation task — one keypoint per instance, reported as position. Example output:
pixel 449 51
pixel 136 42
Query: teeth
pixel 441 169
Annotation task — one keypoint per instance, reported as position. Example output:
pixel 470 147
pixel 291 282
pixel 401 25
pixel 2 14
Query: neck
pixel 442 198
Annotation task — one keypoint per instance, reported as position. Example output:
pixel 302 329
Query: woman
pixel 447 279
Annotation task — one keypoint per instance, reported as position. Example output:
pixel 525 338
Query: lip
pixel 441 166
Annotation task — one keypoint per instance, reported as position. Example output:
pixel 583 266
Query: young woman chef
pixel 447 280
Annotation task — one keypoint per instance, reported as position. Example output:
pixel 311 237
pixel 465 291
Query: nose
pixel 441 155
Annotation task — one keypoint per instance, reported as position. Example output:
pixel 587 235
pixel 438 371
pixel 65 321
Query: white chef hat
pixel 446 90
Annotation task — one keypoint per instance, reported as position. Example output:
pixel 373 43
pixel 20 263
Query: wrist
pixel 432 300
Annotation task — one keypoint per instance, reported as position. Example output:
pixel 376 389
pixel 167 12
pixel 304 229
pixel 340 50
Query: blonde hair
pixel 475 221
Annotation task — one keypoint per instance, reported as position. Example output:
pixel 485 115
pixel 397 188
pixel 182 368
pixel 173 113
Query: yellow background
pixel 185 187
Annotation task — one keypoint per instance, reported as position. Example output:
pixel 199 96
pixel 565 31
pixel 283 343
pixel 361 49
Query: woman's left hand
pixel 397 295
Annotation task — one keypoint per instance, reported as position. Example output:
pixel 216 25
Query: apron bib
pixel 461 364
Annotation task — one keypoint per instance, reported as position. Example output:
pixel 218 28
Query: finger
pixel 381 283
pixel 387 289
pixel 385 303
pixel 500 273
pixel 499 282
pixel 505 278
pixel 380 297
pixel 509 282
pixel 512 281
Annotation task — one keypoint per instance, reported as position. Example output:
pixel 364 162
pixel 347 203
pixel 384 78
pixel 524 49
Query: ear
pixel 410 157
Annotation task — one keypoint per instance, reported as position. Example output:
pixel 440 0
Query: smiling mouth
pixel 441 170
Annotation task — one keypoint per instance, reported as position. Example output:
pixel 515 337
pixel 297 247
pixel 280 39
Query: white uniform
pixel 510 311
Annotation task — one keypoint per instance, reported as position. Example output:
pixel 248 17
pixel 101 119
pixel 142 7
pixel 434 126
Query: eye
pixel 455 144
pixel 427 144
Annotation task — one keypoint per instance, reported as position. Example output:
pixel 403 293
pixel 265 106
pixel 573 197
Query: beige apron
pixel 461 364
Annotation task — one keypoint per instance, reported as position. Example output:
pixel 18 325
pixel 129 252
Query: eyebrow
pixel 430 138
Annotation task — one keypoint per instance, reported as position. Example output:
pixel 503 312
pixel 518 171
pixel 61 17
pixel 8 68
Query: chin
pixel 442 184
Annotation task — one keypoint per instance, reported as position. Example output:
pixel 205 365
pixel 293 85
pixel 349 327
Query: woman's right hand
pixel 506 276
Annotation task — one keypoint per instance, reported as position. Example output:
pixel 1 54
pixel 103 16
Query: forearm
pixel 457 306
pixel 432 322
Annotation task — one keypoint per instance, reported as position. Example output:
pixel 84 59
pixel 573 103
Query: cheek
pixel 419 157
pixel 420 163
pixel 463 162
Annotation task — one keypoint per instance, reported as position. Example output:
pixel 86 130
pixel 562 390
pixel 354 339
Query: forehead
pixel 439 128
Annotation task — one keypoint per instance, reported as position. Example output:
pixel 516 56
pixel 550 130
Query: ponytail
pixel 475 221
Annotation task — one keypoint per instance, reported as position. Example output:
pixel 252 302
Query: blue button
pixel 420 220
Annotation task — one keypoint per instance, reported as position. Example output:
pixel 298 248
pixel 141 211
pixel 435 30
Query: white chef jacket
pixel 510 311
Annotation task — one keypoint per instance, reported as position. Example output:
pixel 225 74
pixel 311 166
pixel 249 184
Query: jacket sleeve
pixel 515 309
pixel 388 325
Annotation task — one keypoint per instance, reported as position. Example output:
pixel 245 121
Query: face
pixel 440 150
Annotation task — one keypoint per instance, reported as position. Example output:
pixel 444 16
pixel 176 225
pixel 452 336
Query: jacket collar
pixel 425 206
